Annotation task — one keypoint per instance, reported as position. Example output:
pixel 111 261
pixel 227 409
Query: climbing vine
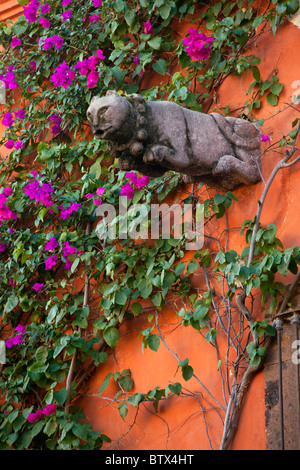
pixel 64 290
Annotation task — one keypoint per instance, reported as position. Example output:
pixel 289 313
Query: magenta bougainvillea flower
pixel 7 191
pixel 9 79
pixel 12 283
pixel 98 202
pixel 50 262
pixel 148 28
pixel 45 8
pixel 83 66
pixel 55 40
pixel 93 61
pixel 30 11
pixel 33 65
pixel 63 76
pixel 49 409
pixel 39 414
pixel 2 247
pixel 127 191
pixel 198 45
pixel 18 339
pixel 9 144
pixel 68 265
pixel 100 191
pixel 51 244
pixel 56 121
pixel 138 183
pixel 68 250
pixel 19 144
pixel 65 213
pixel 45 23
pixel 20 329
pixel 265 138
pixel 15 42
pixel 40 192
pixel 97 3
pixel 38 286
pixel 92 79
pixel 100 54
pixel 136 60
pixel 8 119
pixel 20 114
pixel 66 15
pixel 89 196
pixel 5 212
pixel 94 18
pixel 66 2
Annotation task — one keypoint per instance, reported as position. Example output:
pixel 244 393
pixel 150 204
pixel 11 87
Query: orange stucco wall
pixel 181 422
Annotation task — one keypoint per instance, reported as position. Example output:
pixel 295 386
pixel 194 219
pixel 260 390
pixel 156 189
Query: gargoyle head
pixel 111 117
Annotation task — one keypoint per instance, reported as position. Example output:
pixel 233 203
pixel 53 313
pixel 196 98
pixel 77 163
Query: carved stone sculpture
pixel 153 137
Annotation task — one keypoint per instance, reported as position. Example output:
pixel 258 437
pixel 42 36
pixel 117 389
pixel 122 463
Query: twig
pixel 85 304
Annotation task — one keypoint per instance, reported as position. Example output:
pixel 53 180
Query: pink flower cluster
pixel 9 343
pixel 66 15
pixel 55 40
pixel 5 212
pixel 31 10
pixel 52 260
pixel 39 414
pixel 265 138
pixel 17 145
pixel 138 183
pixel 40 192
pixel 9 78
pixel 88 67
pixel 67 211
pixel 8 119
pixel 198 45
pixel 15 42
pixel 56 121
pixel 148 28
pixel 63 76
pixel 38 286
pixel 100 191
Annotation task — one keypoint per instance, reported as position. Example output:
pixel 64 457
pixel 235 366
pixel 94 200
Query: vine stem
pixel 281 164
pixel 73 361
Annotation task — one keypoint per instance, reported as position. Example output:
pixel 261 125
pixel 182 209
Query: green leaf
pixel 155 42
pixel 187 372
pixel 105 383
pixel 111 336
pixel 153 342
pixel 175 388
pixel 26 438
pixel 11 303
pixel 79 430
pixel 38 368
pixel 272 99
pixel 61 396
pixel 136 308
pixel 37 428
pixel 121 298
pixel 123 409
pixel 192 266
pixel 160 66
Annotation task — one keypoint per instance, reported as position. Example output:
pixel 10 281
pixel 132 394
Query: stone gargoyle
pixel 153 137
